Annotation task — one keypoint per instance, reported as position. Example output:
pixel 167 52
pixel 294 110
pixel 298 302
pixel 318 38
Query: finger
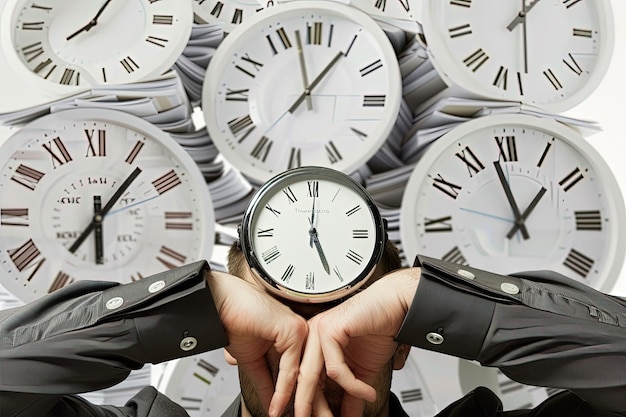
pixel 320 404
pixel 309 376
pixel 287 375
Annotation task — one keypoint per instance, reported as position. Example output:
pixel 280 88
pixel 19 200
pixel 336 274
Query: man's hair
pixel 390 261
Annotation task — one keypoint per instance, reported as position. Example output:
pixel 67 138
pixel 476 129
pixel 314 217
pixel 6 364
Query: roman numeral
pixel 368 69
pixel 137 278
pixel 588 220
pixel 14 217
pixel 474 165
pixel 44 8
pixel 173 259
pixel 33 25
pixel 288 273
pixel 354 257
pixel 270 255
pixel 570 3
pixel 264 232
pixel 32 51
pixel 295 158
pixel 333 154
pixel 237 17
pixel 571 179
pixel 309 282
pixel 274 211
pixel 353 210
pixel 446 187
pixel 314 33
pixel 59 154
pixel 546 150
pixel 411 395
pixel 501 78
pixel 284 40
pixel 314 190
pixel 237 95
pixel 361 135
pixel 134 152
pixel 585 33
pixel 461 30
pixel 42 65
pixel 68 77
pixel 455 256
pixel 210 368
pixel 129 64
pixel 27 176
pixel 290 195
pixel 440 224
pixel 175 220
pixel 579 263
pixel 476 59
pixel 462 3
pixel 241 127
pixel 27 256
pixel 162 19
pixel 374 100
pixel 350 45
pixel 553 80
pixel 510 153
pixel 573 65
pixel 166 182
pixel 217 9
pixel 101 144
pixel 157 41
pixel 256 66
pixel 360 233
pixel 60 280
pixel 262 148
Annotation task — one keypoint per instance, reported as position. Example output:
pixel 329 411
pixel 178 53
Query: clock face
pixel 551 54
pixel 205 385
pixel 229 13
pixel 302 83
pixel 393 9
pixel 516 193
pixel 312 233
pixel 69 43
pixel 97 194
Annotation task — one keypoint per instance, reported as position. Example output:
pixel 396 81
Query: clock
pixel 512 193
pixel 65 45
pixel 97 194
pixel 312 234
pixel 303 83
pixel 551 54
pixel 205 385
pixel 228 13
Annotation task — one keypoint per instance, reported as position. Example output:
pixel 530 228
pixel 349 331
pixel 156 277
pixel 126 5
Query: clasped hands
pixel 349 343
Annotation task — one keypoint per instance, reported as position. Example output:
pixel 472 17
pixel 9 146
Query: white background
pixel 604 106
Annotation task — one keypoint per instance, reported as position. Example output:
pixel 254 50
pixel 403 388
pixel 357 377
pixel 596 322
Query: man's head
pixel 390 261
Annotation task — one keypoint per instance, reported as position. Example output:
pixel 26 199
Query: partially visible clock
pixel 229 13
pixel 548 53
pixel 68 44
pixel 97 194
pixel 302 83
pixel 513 193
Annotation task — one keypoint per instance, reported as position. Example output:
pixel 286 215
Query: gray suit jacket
pixel 539 328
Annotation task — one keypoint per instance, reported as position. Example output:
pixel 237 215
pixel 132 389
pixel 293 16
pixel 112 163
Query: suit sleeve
pixel 90 335
pixel 540 328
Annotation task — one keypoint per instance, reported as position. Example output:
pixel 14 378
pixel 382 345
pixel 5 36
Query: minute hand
pixel 521 16
pixel 315 82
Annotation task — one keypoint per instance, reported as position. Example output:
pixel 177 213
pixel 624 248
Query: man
pixel 539 329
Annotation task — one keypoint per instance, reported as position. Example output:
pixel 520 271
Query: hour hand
pixel 320 251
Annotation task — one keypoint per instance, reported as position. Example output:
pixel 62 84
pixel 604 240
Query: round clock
pixel 205 385
pixel 312 234
pixel 68 44
pixel 97 194
pixel 228 13
pixel 302 83
pixel 551 54
pixel 513 193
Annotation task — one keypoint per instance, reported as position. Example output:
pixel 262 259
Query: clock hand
pixel 527 212
pixel 93 22
pixel 509 196
pixel 312 221
pixel 97 206
pixel 521 16
pixel 305 80
pixel 525 38
pixel 105 210
pixel 315 82
pixel 318 246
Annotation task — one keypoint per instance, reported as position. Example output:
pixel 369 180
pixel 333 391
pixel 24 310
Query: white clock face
pixel 97 194
pixel 71 43
pixel 564 210
pixel 302 83
pixel 548 53
pixel 229 13
pixel 313 234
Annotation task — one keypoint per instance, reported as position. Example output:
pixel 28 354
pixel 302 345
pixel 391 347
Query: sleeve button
pixel 434 338
pixel 156 286
pixel 188 343
pixel 115 302
pixel 509 288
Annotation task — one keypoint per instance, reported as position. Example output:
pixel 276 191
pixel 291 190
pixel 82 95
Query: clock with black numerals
pixel 229 13
pixel 97 194
pixel 512 193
